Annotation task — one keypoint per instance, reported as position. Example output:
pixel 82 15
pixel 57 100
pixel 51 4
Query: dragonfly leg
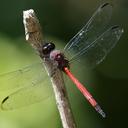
pixel 53 71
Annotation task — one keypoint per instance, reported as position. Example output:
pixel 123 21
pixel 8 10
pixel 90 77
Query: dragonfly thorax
pixel 59 57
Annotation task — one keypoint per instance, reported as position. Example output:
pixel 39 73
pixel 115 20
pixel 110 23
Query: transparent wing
pixel 93 29
pixel 27 95
pixel 98 49
pixel 22 77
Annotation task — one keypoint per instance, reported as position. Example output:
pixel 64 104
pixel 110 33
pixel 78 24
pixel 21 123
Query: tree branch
pixel 35 38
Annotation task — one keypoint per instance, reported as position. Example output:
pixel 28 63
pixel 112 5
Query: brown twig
pixel 34 37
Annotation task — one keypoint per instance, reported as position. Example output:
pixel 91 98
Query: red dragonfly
pixel 90 45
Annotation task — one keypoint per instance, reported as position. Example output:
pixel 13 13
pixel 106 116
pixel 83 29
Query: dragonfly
pixel 89 46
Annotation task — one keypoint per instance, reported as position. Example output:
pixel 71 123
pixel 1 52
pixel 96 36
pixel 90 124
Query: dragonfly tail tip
pixel 100 111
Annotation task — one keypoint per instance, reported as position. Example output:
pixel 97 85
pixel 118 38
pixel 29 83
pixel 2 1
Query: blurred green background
pixel 60 20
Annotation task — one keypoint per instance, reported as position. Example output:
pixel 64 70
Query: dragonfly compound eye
pixel 47 48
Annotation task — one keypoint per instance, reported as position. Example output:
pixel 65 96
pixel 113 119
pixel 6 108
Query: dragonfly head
pixel 47 48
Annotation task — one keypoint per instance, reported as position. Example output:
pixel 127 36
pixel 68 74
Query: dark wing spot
pixel 5 99
pixel 105 4
pixel 114 27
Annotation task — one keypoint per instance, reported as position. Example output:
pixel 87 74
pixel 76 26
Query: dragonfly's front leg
pixel 51 68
